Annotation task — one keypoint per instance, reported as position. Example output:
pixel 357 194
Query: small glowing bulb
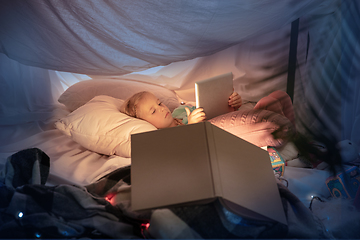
pixel 145 226
pixel 20 214
pixel 110 197
pixel 38 235
pixel 312 196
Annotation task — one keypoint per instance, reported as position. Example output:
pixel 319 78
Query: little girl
pixel 147 106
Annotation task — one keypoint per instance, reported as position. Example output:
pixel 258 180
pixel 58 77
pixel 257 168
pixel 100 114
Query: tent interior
pixel 75 50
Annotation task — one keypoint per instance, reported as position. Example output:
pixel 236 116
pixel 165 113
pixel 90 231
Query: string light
pixel 144 228
pixel 20 214
pixel 312 199
pixel 110 197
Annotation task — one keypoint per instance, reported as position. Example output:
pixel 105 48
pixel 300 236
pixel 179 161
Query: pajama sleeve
pixel 180 113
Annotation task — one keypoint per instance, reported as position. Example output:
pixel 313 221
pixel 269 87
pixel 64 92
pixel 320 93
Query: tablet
pixel 213 94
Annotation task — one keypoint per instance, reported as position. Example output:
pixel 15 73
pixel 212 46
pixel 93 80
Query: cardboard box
pixel 200 163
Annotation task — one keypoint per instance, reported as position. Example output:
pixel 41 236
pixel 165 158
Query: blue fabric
pixel 180 113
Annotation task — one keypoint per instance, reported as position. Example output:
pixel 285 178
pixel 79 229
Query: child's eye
pixel 159 103
pixel 153 112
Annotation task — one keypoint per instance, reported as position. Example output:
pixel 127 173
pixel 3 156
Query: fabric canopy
pixel 118 37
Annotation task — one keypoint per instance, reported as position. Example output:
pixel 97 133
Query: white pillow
pixel 82 92
pixel 100 127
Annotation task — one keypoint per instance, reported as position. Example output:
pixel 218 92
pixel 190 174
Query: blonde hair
pixel 130 104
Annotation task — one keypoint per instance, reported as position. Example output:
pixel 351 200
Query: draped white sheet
pixel 331 74
pixel 117 37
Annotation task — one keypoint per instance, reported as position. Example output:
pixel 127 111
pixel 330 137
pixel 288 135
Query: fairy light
pixel 314 198
pixel 147 225
pixel 110 197
pixel 20 214
pixel 144 227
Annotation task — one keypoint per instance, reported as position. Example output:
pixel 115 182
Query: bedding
pixel 101 210
pixel 72 164
pixel 256 126
pixel 29 209
pixel 100 126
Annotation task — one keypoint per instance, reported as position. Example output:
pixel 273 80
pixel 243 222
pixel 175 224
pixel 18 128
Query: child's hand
pixel 198 115
pixel 235 100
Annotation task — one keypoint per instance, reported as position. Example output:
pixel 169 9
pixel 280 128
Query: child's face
pixel 152 110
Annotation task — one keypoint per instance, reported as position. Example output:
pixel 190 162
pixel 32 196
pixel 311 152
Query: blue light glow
pixel 20 214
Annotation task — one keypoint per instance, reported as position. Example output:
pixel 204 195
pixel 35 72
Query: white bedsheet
pixel 69 162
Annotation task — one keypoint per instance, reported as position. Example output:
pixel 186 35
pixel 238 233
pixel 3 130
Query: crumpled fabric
pixel 30 210
pixel 66 211
pixel 118 37
pixel 30 166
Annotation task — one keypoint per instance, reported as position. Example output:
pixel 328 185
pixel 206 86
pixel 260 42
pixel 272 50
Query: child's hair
pixel 129 106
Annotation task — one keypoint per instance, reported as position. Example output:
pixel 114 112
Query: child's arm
pixel 235 100
pixel 198 115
